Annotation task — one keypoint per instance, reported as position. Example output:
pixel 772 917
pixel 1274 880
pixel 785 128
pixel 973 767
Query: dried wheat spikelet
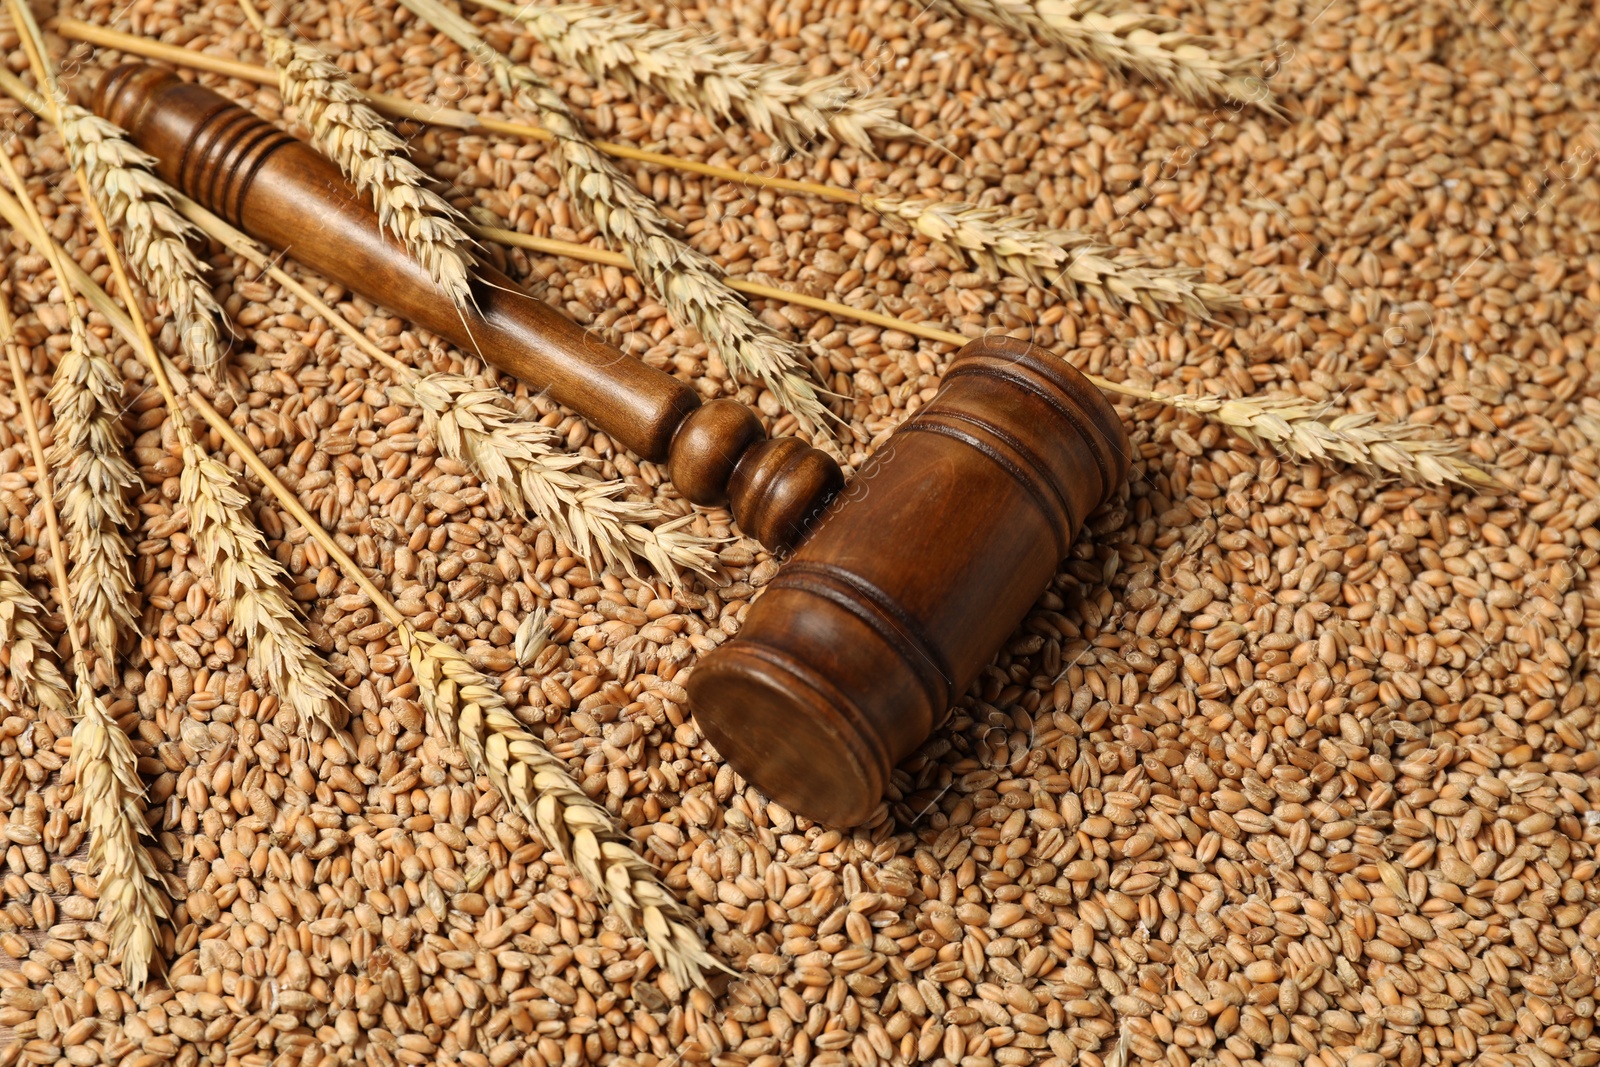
pixel 533 634
pixel 26 649
pixel 94 478
pixel 106 771
pixel 1070 259
pixel 155 238
pixel 519 458
pixel 469 711
pixel 1149 45
pixel 248 580
pixel 701 73
pixel 688 282
pixel 346 129
pixel 1309 431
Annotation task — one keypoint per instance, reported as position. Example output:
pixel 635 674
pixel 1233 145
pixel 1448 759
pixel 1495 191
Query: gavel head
pixel 912 580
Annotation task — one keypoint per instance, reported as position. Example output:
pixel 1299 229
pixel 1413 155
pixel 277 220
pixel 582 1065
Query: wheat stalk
pixel 474 427
pixel 1242 411
pixel 103 761
pixel 1317 433
pixel 356 137
pixel 155 238
pixel 701 73
pixel 1151 46
pixel 1046 257
pixel 248 580
pixel 688 282
pixel 470 712
pixel 28 653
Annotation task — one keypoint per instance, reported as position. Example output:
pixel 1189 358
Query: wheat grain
pixel 699 72
pixel 356 137
pixel 1149 45
pixel 517 457
pixel 106 770
pixel 1314 432
pixel 248 580
pixel 29 656
pixel 469 711
pixel 688 282
pixel 155 238
pixel 1047 257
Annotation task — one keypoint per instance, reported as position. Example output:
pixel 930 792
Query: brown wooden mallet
pixel 903 585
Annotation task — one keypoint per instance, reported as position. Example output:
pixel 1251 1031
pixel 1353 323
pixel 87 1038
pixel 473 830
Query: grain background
pixel 1285 768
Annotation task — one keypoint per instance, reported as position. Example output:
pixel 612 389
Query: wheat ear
pixel 107 773
pixel 155 238
pixel 1152 46
pixel 249 581
pixel 688 282
pixel 671 939
pixel 1047 257
pixel 118 175
pixel 470 712
pixel 357 138
pixel 104 764
pixel 516 456
pixel 87 453
pixel 1317 433
pixel 29 656
pixel 700 72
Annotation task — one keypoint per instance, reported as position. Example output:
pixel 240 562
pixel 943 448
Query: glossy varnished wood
pixel 915 575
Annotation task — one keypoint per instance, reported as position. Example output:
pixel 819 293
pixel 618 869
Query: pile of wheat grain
pixel 1285 768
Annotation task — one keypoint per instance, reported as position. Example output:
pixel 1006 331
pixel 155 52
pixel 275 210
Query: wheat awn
pixel 1149 45
pixel 687 282
pixel 347 130
pixel 702 73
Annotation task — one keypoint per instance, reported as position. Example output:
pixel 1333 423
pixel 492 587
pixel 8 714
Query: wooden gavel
pixel 904 584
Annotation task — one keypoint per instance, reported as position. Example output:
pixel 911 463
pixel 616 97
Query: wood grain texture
pixel 915 575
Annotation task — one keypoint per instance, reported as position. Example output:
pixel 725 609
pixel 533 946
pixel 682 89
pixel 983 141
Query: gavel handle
pixel 283 193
